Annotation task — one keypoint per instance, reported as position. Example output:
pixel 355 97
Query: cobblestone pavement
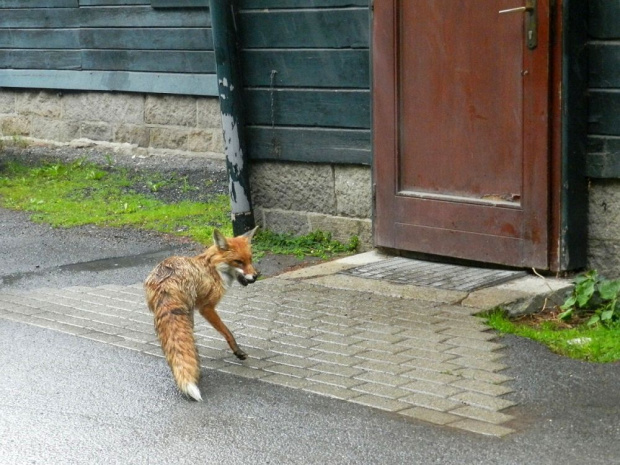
pixel 429 359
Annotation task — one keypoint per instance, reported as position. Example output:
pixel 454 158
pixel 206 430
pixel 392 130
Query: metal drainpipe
pixel 231 106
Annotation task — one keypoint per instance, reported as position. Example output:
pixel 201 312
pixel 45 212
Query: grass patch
pixel 580 341
pixel 79 193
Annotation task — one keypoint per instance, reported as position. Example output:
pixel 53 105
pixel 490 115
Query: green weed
pixel 595 296
pixel 314 244
pixel 583 342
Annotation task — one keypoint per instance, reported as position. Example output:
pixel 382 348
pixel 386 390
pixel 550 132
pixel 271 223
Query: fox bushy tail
pixel 175 330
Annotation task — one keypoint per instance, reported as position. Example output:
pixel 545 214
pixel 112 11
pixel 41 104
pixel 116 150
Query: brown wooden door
pixel 460 111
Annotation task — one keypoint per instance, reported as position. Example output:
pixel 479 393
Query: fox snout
pixel 245 279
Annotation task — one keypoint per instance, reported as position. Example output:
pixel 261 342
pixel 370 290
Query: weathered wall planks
pixel 115 43
pixel 604 96
pixel 306 71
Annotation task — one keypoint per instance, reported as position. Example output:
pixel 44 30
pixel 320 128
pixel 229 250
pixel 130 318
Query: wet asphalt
pixel 67 400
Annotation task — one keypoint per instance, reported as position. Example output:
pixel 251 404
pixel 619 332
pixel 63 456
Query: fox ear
pixel 219 240
pixel 250 234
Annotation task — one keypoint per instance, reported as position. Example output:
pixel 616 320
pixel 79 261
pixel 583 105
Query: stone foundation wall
pixel 299 198
pixel 147 122
pixel 604 227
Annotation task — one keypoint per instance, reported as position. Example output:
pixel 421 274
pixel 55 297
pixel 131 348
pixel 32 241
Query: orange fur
pixel 179 285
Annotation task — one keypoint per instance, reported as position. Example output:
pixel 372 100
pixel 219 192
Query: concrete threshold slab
pixel 527 294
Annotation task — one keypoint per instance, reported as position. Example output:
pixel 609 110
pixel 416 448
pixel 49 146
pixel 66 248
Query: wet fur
pixel 179 285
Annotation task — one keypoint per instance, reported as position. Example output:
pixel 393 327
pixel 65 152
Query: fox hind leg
pixel 214 319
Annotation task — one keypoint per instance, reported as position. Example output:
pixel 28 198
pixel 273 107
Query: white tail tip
pixel 193 391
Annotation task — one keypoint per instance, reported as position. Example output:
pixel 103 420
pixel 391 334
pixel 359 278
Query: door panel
pixel 460 131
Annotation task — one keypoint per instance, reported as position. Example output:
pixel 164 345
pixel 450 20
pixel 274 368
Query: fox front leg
pixel 214 319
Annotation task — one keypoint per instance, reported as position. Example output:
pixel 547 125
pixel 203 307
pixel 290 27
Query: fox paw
pixel 241 355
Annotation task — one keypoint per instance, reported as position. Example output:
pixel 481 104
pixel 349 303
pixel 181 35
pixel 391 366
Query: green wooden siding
pixel 115 45
pixel 307 79
pixel 604 89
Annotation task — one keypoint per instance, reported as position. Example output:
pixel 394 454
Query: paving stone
pixel 336 330
pixel 383 357
pixel 441 367
pixel 433 376
pixel 19 317
pixel 431 402
pixel 434 389
pixel 425 345
pixel 427 355
pixel 381 403
pixel 208 353
pixel 425 335
pixel 337 349
pixel 375 327
pixel 431 416
pixel 334 319
pixel 133 345
pixel 381 367
pixel 380 390
pixel 469 334
pixel 292 350
pixel 344 360
pixel 487 376
pixel 482 387
pixel 249 362
pixel 244 372
pixel 382 378
pixel 21 300
pixel 334 369
pixel 255 333
pixel 479 427
pixel 474 353
pixel 287 370
pixel 288 381
pixel 335 392
pixel 210 364
pixel 136 335
pixel 482 415
pixel 292 321
pixel 264 324
pixel 296 341
pixel 380 346
pixel 335 380
pixel 457 310
pixel 478 364
pixel 294 331
pixel 474 344
pixel 483 401
pixel 22 309
pixel 332 338
pixel 299 362
pixel 415 319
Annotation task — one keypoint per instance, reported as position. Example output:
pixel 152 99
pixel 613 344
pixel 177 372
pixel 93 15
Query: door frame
pixel 566 137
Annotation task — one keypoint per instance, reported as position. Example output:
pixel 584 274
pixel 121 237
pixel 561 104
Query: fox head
pixel 235 258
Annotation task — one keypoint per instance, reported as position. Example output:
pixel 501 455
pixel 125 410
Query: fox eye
pixel 237 263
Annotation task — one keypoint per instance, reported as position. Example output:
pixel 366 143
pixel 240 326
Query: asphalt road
pixel 67 400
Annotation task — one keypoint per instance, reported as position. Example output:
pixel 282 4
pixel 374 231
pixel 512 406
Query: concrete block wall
pixel 148 122
pixel 299 198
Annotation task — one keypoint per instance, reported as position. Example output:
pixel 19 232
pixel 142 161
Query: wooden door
pixel 460 121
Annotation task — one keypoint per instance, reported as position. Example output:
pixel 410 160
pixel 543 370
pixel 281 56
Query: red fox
pixel 179 285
